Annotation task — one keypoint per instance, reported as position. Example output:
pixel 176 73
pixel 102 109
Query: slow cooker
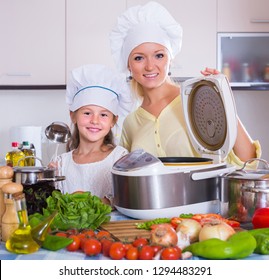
pixel 146 187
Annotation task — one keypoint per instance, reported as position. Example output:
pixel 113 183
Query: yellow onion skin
pixel 191 228
pixel 220 230
pixel 163 235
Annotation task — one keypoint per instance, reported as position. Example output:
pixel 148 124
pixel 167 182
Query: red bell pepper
pixel 260 218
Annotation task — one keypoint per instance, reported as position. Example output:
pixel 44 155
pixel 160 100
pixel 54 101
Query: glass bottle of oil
pixel 21 240
pixel 15 156
pixel 40 231
pixel 28 153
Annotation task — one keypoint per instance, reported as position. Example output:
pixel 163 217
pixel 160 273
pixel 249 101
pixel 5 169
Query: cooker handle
pixel 211 174
pixel 258 159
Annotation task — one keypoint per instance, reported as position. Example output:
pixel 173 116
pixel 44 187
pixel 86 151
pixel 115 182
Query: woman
pixel 144 42
pixel 97 97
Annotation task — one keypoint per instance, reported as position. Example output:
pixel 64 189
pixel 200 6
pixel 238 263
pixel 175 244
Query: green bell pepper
pixel 262 238
pixel 238 246
pixel 55 243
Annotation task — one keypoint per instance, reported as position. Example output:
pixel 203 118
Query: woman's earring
pixel 169 73
pixel 128 79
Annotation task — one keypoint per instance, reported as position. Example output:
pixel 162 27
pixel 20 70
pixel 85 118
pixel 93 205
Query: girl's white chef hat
pixel 96 84
pixel 141 24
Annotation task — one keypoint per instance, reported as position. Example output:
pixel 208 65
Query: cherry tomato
pixel 117 250
pixel 171 253
pixel 89 232
pixel 75 245
pixel 132 253
pixel 175 221
pixel 127 246
pixel 72 231
pixel 156 248
pixel 61 233
pixel 102 234
pixel 92 246
pixel 260 218
pixel 140 242
pixel 106 244
pixel 146 253
pixel 232 223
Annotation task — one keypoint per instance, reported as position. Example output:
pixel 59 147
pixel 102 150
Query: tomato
pixel 156 248
pixel 206 217
pixel 128 245
pixel 72 231
pixel 89 232
pixel 92 246
pixel 146 253
pixel 106 244
pixel 102 234
pixel 175 221
pixel 117 250
pixel 132 253
pixel 75 245
pixel 260 218
pixel 61 233
pixel 171 253
pixel 232 223
pixel 140 242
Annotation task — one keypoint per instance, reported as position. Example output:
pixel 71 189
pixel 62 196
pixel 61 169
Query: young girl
pixel 97 99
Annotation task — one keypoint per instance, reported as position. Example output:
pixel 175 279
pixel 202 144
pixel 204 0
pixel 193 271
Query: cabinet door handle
pixel 18 74
pixel 259 20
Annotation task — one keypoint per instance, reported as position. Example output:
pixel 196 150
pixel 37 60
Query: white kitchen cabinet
pixel 32 49
pixel 198 20
pixel 88 24
pixel 243 15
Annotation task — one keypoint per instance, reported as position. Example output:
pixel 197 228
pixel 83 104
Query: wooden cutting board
pixel 125 230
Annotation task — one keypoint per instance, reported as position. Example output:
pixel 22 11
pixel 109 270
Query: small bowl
pixel 58 132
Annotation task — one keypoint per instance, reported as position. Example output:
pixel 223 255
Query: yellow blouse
pixel 166 135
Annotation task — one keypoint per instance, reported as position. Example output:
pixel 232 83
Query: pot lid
pixel 260 175
pixel 32 169
pixel 245 174
pixel 210 115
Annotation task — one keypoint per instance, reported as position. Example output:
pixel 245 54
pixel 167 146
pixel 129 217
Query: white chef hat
pixel 141 24
pixel 99 85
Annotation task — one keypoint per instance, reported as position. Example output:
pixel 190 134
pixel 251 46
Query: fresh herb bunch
pixel 78 210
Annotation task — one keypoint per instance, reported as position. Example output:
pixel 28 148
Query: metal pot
pixel 31 175
pixel 248 190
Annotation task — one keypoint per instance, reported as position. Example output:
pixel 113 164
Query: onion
pixel 164 235
pixel 220 230
pixel 191 228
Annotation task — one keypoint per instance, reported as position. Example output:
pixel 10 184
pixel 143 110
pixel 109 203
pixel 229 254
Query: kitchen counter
pixel 63 254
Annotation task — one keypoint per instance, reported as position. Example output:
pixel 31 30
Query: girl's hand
pixel 209 71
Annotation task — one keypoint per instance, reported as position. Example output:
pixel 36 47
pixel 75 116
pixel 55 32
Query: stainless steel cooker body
pixel 160 191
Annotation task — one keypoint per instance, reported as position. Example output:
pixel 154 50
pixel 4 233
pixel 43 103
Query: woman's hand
pixel 209 71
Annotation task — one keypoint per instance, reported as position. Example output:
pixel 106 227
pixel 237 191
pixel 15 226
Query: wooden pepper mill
pixel 6 175
pixel 10 220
